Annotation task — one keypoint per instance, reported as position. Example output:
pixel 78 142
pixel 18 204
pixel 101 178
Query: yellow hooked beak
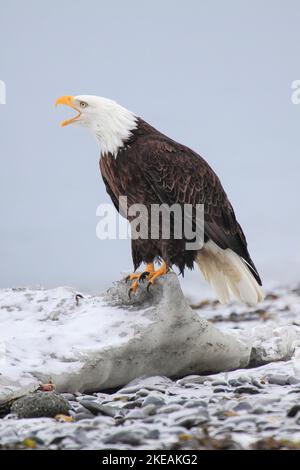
pixel 68 101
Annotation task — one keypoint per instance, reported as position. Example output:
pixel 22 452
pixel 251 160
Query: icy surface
pixel 86 343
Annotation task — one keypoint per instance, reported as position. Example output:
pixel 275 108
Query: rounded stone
pixel 292 380
pixel 171 408
pixel 68 396
pixel 149 410
pixel 219 382
pixel 293 411
pixel 125 436
pixel 80 416
pixel 153 400
pixel 220 389
pixel 246 389
pixel 194 379
pixel 135 414
pixel 259 410
pixel 278 379
pixel 234 382
pixel 242 406
pixel 97 408
pixel 40 404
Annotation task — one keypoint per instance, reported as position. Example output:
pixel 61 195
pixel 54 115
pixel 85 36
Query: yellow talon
pixel 160 272
pixel 150 274
pixel 133 288
pixel 148 271
pixel 134 276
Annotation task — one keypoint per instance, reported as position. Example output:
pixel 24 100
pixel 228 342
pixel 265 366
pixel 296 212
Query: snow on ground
pixel 87 343
pixel 254 407
pixel 54 332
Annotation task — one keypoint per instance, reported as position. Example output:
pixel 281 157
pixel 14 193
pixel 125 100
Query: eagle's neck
pixel 113 128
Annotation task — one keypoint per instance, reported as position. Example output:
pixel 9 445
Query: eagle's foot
pixel 139 277
pixel 150 274
pixel 160 272
pixel 133 288
pixel 144 276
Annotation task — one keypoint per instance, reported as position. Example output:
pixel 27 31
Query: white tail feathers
pixel 228 274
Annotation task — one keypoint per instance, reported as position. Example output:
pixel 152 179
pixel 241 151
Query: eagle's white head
pixel 111 123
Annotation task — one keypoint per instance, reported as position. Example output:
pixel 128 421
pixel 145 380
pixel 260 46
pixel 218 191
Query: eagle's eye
pixel 83 104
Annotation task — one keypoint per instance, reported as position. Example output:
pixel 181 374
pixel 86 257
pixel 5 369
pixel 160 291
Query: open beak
pixel 68 101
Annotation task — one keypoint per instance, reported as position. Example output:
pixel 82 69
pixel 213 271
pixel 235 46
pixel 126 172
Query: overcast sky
pixel 213 75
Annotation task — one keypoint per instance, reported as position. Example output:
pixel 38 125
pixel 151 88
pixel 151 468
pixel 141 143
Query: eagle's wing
pixel 111 193
pixel 179 175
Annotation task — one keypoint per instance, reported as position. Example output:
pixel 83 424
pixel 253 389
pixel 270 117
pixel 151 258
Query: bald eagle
pixel 146 166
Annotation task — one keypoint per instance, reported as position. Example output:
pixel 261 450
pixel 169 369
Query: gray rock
pixel 169 408
pixel 127 436
pixel 153 382
pixel 8 436
pixel 149 410
pixel 293 411
pixel 258 410
pixel 97 408
pixel 101 421
pixel 278 379
pixel 153 400
pixel 242 419
pixel 132 404
pixel 75 405
pixel 69 443
pixel 175 429
pixel 242 406
pixel 40 404
pixel 295 390
pixel 81 409
pixel 87 398
pixel 265 402
pixel 153 434
pixel 256 383
pixel 73 413
pixel 143 392
pixel 248 389
pixel 135 414
pixel 194 379
pixel 68 396
pixel 292 380
pixel 130 390
pixel 219 382
pixel 244 378
pixel 191 421
pixel 10 416
pixel 234 382
pixel 221 390
pixel 149 419
pixel 194 404
pixel 81 416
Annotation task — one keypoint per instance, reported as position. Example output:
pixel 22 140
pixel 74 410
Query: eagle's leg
pixel 137 277
pixel 160 272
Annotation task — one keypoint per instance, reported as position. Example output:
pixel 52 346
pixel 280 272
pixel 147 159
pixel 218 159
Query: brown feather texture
pixel 153 169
